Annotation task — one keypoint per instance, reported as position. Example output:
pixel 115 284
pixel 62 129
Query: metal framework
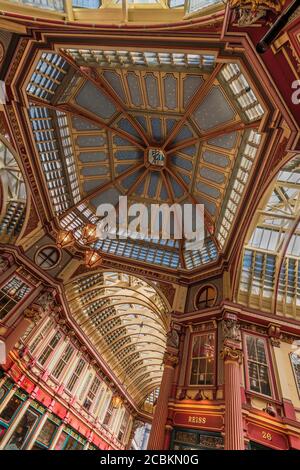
pixel 270 276
pixel 105 11
pixel 13 192
pixel 126 320
pixel 102 110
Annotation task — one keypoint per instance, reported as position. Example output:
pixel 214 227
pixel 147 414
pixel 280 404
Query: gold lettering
pixel 197 419
pixel 266 435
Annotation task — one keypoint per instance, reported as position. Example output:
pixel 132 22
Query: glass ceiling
pixel 127 321
pixel 14 196
pixel 270 277
pixel 189 6
pixel 94 113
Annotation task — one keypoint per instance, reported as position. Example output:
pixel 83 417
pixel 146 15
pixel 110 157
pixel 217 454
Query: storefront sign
pixel 267 437
pixel 59 410
pixel 43 398
pixel 27 385
pixel 198 420
pixel 15 372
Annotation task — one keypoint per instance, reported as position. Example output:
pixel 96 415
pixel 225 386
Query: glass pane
pixel 11 408
pixel 22 431
pixel 195 5
pixel 264 380
pixel 251 348
pixel 72 444
pixel 47 433
pixel 61 441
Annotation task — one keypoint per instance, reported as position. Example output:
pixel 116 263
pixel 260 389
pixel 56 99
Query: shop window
pixel 92 447
pixel 8 413
pixel 11 408
pixel 46 435
pixel 196 440
pixel 68 442
pixel 258 368
pixel 206 297
pixel 11 293
pixel 295 361
pixel 4 389
pixel 2 393
pixel 256 446
pixel 203 360
pixel 49 349
pixel 22 431
pixel 47 257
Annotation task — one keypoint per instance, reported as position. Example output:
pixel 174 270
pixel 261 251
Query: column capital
pixel 274 334
pixel 170 359
pixel 230 353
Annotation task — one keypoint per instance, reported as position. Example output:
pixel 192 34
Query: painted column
pixel 158 430
pixel 167 443
pixel 232 355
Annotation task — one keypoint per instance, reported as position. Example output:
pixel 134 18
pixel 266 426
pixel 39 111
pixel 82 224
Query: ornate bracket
pixel 274 335
pixel 41 305
pixel 232 340
pixel 250 11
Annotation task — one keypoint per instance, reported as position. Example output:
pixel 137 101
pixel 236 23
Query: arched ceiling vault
pixel 127 324
pixel 270 272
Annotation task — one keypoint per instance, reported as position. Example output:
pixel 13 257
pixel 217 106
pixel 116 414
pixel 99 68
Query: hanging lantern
pixel 88 234
pixel 116 401
pixel 64 238
pixel 92 258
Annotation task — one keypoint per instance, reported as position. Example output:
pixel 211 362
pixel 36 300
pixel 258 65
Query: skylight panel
pixel 144 59
pixel 242 92
pixel 49 73
pixel 243 169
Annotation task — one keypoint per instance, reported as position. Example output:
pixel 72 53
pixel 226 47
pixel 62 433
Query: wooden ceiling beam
pixel 88 73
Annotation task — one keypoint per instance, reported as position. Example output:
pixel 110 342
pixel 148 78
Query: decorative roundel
pixel 48 257
pixel 206 297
